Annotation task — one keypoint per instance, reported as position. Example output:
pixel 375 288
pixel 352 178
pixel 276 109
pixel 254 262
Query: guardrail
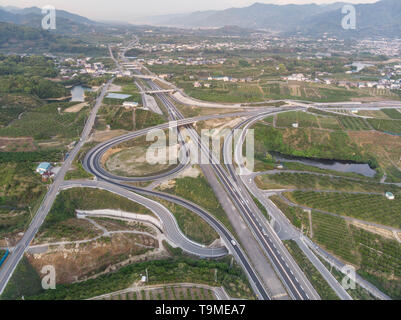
pixel 4 257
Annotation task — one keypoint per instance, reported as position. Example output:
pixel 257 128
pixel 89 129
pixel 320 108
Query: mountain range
pixel 67 23
pixel 382 18
pixel 379 19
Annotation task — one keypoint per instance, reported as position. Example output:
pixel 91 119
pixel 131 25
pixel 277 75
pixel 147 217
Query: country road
pixel 16 255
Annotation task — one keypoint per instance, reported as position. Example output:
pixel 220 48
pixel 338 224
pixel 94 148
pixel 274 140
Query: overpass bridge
pixel 158 91
pixel 147 77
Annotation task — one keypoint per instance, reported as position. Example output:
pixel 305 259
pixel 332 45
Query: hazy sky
pixel 126 10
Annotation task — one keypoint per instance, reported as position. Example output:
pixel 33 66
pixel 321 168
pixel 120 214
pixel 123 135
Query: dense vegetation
pixel 47 122
pixel 17 38
pixel 160 271
pixel 306 181
pixel 33 156
pixel 27 75
pixel 309 143
pixel 27 66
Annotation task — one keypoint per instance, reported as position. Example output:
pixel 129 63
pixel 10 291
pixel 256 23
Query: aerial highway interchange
pixel 234 181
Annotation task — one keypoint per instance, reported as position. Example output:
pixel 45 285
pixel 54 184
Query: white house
pixel 390 196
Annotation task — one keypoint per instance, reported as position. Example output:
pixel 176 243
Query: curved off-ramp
pixel 170 226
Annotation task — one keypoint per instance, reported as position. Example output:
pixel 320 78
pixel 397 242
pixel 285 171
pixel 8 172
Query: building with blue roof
pixel 43 168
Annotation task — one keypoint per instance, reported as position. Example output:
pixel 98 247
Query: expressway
pixel 228 239
pixel 98 152
pixel 243 204
pixel 11 263
pixel 279 221
pixel 169 224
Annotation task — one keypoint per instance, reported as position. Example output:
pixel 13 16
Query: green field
pixel 353 123
pixel 333 234
pixel 297 216
pixel 123 119
pixel 376 258
pixel 116 117
pixel 46 123
pixel 304 120
pixel 388 126
pixel 200 192
pixel 307 181
pixel 367 207
pixel 20 188
pixel 392 113
pixel 380 261
pixel 194 227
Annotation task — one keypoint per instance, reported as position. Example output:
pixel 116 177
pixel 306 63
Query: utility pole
pixel 147 275
pixel 30 212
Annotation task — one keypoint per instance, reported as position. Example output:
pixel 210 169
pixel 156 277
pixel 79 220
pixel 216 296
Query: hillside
pixel 382 18
pixel 16 38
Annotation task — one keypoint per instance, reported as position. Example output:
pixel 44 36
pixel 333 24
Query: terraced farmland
pixel 353 123
pixel 316 182
pixel 392 113
pixel 376 258
pixel 367 207
pixel 389 126
pixel 333 234
pixel 304 120
pixel 380 261
pixel 295 215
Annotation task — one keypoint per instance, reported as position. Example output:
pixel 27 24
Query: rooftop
pixel 118 96
pixel 44 165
